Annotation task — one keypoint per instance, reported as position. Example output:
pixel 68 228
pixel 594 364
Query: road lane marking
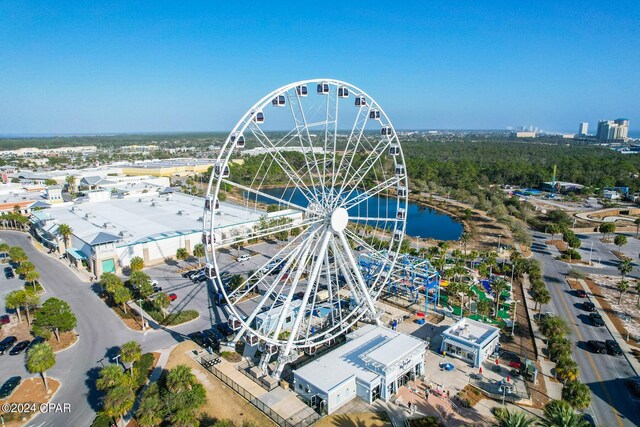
pixel 590 359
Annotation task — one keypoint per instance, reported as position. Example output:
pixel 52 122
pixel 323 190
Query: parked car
pixel 173 297
pixel 36 340
pixel 613 348
pixel 596 319
pixel 188 274
pixel 7 343
pixel 201 278
pixel 157 289
pixel 19 348
pixel 197 277
pixel 597 346
pixel 243 258
pixel 196 337
pixel 8 387
pixel 580 293
pixel 225 329
pixel 4 319
pixel 213 334
pixel 360 248
pixel 8 273
pixel 588 306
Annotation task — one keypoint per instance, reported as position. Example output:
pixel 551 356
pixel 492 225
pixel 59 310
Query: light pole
pixel 418 244
pixel 499 237
pixel 141 315
pixel 515 309
pixel 117 359
pixel 590 252
pixel 504 388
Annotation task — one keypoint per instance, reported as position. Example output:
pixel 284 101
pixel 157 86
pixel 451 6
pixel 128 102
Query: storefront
pixel 470 340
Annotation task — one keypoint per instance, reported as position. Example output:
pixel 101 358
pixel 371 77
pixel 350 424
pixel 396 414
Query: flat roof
pixel 146 218
pixel 367 344
pixel 471 331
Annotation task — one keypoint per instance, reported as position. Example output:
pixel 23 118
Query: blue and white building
pixel 470 340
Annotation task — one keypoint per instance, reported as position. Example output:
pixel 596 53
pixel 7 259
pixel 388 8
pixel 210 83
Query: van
pixel 243 258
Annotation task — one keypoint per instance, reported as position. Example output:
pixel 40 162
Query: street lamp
pixel 499 237
pixel 504 388
pixel 515 309
pixel 141 315
pixel 590 252
pixel 116 359
pixel 418 244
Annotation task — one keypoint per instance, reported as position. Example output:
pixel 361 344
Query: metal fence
pixel 258 403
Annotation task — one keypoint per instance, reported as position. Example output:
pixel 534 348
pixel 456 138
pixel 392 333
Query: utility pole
pixel 117 359
pixel 515 309
pixel 590 252
pixel 141 315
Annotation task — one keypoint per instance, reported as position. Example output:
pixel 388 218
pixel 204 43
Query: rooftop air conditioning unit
pixel 180 212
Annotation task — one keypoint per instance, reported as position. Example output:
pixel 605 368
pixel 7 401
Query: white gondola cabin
pixel 402 192
pixel 211 204
pixel 399 170
pixel 278 101
pixel 234 323
pixel 221 170
pixel 397 234
pixel 237 139
pixel 343 92
pixel 374 114
pixel 401 214
pixel 323 88
pixel 258 117
pixel 386 130
pixel 209 270
pixel 251 339
pixel 394 150
pixel 271 348
pixel 361 101
pixel 206 237
pixel 302 90
pixel 311 350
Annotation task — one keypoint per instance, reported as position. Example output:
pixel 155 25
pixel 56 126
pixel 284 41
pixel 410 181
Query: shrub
pixel 180 317
pixel 143 368
pixel 42 332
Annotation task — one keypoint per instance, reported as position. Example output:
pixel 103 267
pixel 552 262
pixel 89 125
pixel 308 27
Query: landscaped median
pixel 27 401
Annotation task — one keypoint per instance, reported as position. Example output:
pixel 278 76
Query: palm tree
pixel 150 410
pixel 508 418
pixel 41 358
pixel 577 395
pixel 553 326
pixel 559 413
pixel 65 231
pixel 198 252
pixel 540 297
pixel 637 223
pixel 32 300
pixel 566 370
pixel 623 287
pixel 136 264
pixel 131 352
pixel 182 254
pixel 15 300
pixel 180 379
pixel 111 376
pixel 620 240
pixel 624 268
pixel 32 277
pixel 4 247
pixel 497 287
pixel 465 238
pixel 118 401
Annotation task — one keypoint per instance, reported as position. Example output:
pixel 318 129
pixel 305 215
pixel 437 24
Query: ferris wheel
pixel 313 186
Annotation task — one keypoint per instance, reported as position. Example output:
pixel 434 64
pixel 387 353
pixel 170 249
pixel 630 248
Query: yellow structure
pixel 168 168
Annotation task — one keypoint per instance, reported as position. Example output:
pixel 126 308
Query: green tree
pixel 161 301
pixel 554 326
pixel 15 300
pixel 150 412
pixel 32 300
pixel 577 395
pixel 638 293
pixel 623 287
pixel 121 295
pixel 553 229
pixel 32 277
pixel 198 252
pixel 119 400
pixel 624 267
pixel 620 240
pixel 559 347
pixel 110 282
pixel 182 254
pixel 607 228
pixel 180 379
pixel 4 247
pixel 506 418
pixel 17 254
pixel 25 267
pixel 56 315
pixel 41 358
pixel 540 297
pixel 566 370
pixel 111 376
pixel 483 307
pixel 558 413
pixel 131 352
pixel 136 264
pixel 498 286
pixel 65 231
pixel 138 279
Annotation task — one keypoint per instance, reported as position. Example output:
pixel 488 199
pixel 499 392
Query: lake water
pixel 421 221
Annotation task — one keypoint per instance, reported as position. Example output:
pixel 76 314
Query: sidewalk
pixel 626 349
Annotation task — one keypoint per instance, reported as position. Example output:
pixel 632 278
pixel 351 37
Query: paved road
pixel 612 404
pixel 101 332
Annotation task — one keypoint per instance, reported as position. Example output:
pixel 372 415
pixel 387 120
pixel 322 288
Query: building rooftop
pixel 471 331
pixel 369 344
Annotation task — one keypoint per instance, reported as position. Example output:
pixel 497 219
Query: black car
pixel 188 274
pixel 8 387
pixel 225 329
pixel 613 347
pixel 19 348
pixel 36 340
pixel 589 306
pixel 213 334
pixel 8 273
pixel 200 278
pixel 196 337
pixel 597 346
pixel 6 343
pixel 580 293
pixel 596 319
pixel 157 289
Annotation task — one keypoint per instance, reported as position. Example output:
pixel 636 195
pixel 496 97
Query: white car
pixel 243 258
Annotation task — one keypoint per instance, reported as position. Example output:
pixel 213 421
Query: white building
pixel 470 340
pixel 373 363
pixel 583 129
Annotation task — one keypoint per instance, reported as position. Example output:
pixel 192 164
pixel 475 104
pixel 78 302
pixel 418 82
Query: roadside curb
pixel 71 346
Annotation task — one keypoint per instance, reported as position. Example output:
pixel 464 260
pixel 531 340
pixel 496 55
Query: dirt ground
pixel 30 390
pixel 23 332
pixel 626 316
pixel 369 419
pixel 222 402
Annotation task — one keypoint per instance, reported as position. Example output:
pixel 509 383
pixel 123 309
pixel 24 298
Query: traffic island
pixel 29 400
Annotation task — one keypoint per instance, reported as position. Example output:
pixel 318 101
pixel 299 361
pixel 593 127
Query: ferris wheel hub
pixel 339 219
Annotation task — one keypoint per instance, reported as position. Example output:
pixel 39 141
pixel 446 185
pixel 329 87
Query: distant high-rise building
pixel 611 130
pixel 583 129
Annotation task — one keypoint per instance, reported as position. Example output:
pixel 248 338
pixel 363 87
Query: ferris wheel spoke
pixel 362 197
pixel 370 249
pixel 265 195
pixel 284 164
pixel 305 298
pixel 265 232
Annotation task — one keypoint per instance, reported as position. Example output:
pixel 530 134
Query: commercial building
pixel 583 129
pixel 108 229
pixel 373 363
pixel 470 340
pixel 612 130
pixel 561 186
pixel 170 167
pixel 526 134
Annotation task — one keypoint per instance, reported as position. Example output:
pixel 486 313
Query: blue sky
pixel 83 67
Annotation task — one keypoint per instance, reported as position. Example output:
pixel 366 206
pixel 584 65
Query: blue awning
pixel 74 253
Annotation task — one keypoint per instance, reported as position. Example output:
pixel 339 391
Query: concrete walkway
pixel 626 349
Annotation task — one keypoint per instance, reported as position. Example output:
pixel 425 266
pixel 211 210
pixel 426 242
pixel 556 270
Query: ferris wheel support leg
pixel 305 299
pixel 359 278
